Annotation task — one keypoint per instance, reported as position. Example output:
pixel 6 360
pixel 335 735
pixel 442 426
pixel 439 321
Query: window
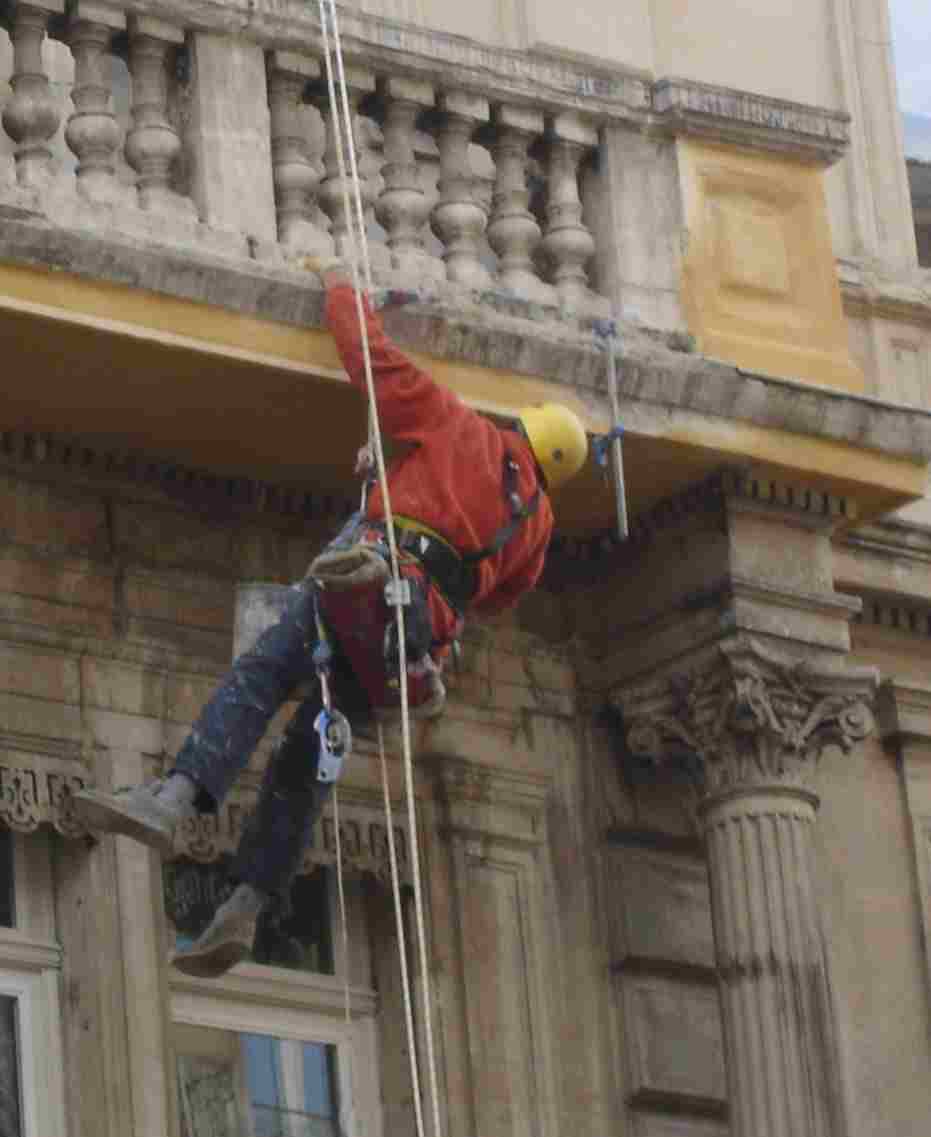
pixel 31 1087
pixel 296 936
pixel 266 1051
pixel 232 1083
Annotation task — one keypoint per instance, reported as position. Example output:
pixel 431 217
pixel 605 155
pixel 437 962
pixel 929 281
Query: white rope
pixel 402 936
pixel 350 1126
pixel 376 439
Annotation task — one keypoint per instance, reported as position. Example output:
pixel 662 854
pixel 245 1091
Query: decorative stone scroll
pixel 752 718
pixel 39 792
pixel 363 837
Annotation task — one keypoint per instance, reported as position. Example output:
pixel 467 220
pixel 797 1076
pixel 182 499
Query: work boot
pixel 227 940
pixel 148 814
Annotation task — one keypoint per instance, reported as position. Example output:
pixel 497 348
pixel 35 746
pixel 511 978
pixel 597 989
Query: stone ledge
pixel 497 331
pixel 904 712
pixel 723 114
pixel 869 291
pixel 395 47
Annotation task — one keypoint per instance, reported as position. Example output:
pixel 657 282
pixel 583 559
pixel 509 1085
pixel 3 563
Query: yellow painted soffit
pixel 218 332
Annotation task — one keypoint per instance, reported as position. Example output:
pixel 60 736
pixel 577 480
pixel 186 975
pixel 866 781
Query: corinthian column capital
pixel 750 716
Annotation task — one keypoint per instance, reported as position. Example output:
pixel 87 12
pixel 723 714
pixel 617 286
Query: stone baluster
pixel 755 724
pixel 153 144
pixel 403 206
pixel 359 83
pixel 93 133
pixel 567 243
pixel 459 218
pixel 514 233
pixel 295 174
pixel 30 117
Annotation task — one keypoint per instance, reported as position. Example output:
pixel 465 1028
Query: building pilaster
pixel 751 723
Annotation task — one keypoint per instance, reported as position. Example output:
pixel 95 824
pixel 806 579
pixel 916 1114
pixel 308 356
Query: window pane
pixel 10 1104
pixel 254 1085
pixel 7 891
pixel 298 937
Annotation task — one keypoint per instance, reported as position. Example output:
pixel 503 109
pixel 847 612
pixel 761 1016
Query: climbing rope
pixel 342 122
pixel 350 1124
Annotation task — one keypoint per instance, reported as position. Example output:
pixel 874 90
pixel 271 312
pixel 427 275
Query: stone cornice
pixel 224 497
pixel 867 291
pixel 722 114
pixel 748 716
pixel 603 90
pixel 811 505
pixel 903 712
pixel 654 377
pixel 907 617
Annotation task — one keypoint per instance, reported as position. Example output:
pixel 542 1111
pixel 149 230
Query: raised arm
pixel 410 403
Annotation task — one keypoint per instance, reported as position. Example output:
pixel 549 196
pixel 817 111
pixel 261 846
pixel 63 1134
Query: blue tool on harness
pixel 335 736
pixel 332 726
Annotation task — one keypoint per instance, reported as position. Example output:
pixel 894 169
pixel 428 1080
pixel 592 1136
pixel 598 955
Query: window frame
pixel 299 1006
pixel 30 972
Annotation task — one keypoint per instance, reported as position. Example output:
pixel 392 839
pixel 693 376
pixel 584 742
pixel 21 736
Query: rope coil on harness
pixel 359 254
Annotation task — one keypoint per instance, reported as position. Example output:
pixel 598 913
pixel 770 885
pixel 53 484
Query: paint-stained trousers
pixel 230 727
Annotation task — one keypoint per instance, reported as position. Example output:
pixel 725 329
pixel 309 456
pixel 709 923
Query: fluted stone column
pixel 752 724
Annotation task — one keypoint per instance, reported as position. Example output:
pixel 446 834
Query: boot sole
pixel 211 963
pixel 101 814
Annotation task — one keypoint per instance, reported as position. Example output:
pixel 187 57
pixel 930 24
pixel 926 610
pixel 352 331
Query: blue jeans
pixel 233 722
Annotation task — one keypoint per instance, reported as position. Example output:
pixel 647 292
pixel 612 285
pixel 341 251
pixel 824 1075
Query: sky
pixel 911 37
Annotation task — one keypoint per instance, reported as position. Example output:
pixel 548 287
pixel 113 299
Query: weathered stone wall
pixel 117 600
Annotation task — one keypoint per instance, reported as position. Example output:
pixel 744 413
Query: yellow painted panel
pixel 759 283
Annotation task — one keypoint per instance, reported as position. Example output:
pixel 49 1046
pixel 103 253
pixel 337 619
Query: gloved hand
pixel 330 269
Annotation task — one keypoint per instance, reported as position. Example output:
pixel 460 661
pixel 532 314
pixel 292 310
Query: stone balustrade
pixel 105 128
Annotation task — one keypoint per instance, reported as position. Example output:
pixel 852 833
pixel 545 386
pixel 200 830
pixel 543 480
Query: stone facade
pixel 675 823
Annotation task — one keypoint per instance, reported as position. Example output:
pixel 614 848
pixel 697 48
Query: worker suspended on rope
pixel 472 524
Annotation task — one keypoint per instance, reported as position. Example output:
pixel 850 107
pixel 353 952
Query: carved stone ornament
pixel 363 837
pixel 39 792
pixel 751 717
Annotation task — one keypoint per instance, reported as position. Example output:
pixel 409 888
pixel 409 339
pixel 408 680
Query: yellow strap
pixel 410 523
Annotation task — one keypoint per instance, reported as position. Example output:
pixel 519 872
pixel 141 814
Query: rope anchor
pixel 610 443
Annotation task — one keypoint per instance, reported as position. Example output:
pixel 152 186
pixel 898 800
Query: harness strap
pixel 454 573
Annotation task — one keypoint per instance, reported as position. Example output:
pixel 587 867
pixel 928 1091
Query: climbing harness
pixel 396 598
pixel 455 574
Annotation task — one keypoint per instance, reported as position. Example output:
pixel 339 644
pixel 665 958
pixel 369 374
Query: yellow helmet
pixel 557 439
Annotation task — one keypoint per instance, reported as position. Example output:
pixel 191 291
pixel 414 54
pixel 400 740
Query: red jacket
pixel 451 477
